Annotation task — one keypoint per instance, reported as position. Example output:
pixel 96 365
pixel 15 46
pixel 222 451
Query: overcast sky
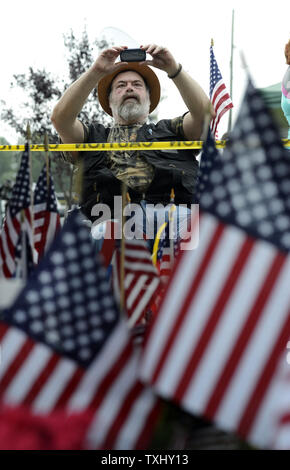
pixel 31 34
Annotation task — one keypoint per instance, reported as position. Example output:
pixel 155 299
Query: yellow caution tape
pixel 108 146
pixel 119 146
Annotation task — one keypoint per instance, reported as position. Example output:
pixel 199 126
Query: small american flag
pixel 217 340
pixel 219 96
pixel 64 347
pixel 141 279
pixel 18 219
pixel 46 216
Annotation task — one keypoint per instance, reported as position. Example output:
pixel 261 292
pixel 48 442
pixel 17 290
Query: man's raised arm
pixel 64 115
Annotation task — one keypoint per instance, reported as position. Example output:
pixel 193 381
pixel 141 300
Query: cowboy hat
pixel 146 72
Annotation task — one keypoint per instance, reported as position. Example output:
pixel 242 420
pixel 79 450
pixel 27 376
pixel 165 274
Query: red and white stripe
pixel 124 410
pixel 166 262
pixel 223 324
pixel 9 238
pixel 221 102
pixel 141 279
pixel 46 225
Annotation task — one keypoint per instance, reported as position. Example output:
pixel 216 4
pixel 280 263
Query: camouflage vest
pixel 175 169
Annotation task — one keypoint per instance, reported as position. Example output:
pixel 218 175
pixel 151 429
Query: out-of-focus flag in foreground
pixel 218 93
pixel 17 223
pixel 46 216
pixel 64 348
pixel 223 325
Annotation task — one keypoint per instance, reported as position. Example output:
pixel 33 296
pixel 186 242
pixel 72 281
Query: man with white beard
pixel 129 91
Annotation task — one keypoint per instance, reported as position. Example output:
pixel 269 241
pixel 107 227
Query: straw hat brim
pixel 146 72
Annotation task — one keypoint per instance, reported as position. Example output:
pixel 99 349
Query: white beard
pixel 133 111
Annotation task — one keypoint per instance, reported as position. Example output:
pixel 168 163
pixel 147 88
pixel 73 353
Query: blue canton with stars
pixel 248 185
pixel 44 194
pixel 20 198
pixel 67 302
pixel 215 75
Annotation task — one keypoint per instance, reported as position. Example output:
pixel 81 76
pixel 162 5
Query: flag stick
pixel 122 260
pixel 47 162
pixel 28 137
pixel 231 71
pixel 171 226
pixel 22 273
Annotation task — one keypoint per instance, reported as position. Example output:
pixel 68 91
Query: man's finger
pixel 151 48
pixel 158 50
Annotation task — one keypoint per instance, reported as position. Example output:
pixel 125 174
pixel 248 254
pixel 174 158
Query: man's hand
pixel 106 62
pixel 161 58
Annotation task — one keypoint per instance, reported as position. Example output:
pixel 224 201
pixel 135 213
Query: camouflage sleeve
pixel 67 156
pixel 177 127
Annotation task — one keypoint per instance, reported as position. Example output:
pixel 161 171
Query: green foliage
pixel 42 90
pixel 80 57
pixel 8 163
